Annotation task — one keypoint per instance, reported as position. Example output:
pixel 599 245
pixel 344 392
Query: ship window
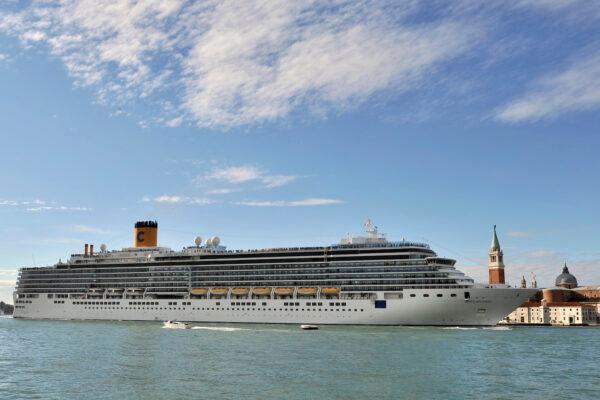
pixel 320 304
pixel 453 295
pixel 412 295
pixel 467 295
pixel 425 295
pixel 264 303
pixel 297 304
pixel 218 303
pixel 343 304
pixel 439 295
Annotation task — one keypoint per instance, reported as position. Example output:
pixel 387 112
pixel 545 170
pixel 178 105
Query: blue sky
pixel 284 123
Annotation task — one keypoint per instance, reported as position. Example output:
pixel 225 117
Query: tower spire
pixel 496 261
pixel 495 242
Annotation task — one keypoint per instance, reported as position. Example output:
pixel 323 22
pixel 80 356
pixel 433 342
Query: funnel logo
pixel 140 236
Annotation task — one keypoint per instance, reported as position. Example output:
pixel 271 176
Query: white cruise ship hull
pixel 485 306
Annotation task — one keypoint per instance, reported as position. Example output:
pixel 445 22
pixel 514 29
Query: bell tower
pixel 496 261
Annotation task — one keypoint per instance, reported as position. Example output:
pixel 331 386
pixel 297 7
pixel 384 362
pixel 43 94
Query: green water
pixel 142 360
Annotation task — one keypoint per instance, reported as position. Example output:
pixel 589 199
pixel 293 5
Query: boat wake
pixel 487 328
pixel 217 328
pixel 461 328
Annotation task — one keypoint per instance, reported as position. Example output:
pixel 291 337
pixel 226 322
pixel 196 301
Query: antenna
pixel 371 229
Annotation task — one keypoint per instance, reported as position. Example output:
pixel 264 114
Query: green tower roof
pixel 495 241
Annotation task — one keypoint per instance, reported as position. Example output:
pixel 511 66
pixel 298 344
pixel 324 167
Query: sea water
pixel 142 360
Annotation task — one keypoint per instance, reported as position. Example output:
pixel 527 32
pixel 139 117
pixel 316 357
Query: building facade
pixel 563 305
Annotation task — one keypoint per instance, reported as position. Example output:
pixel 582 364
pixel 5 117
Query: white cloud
pixel 293 203
pixel 33 36
pixel 245 174
pixel 174 199
pixel 7 282
pixel 57 208
pixel 234 174
pixel 277 180
pixel 576 88
pixel 222 191
pixel 38 205
pixel 244 62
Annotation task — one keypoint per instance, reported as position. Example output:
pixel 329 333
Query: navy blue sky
pixel 275 125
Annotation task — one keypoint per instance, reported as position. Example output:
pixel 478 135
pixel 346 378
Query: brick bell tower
pixel 496 262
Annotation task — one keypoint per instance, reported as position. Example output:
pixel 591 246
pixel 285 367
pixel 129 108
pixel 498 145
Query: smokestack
pixel 145 234
pixel 85 250
pixel 91 249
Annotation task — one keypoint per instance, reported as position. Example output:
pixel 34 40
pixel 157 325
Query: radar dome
pixel 216 241
pixel 209 241
pixel 198 240
pixel 103 247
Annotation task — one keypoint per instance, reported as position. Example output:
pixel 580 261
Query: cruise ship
pixel 363 280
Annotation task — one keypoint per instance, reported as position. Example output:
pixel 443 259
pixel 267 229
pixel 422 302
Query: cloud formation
pixel 242 174
pixel 38 205
pixel 575 88
pixel 244 62
pixel 175 199
pixel 313 201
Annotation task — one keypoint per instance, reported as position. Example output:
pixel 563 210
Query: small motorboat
pixel 309 327
pixel 176 325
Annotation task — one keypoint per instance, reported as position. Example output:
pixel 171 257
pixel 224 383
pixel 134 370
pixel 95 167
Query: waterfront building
pixel 564 305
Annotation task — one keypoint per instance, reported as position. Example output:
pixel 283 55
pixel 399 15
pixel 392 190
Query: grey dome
pixel 566 279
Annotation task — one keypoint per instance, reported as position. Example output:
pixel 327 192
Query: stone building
pixel 565 304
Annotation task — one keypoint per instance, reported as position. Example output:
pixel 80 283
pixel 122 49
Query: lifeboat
pixel 115 290
pixel 330 291
pixel 240 291
pixel 199 291
pixel 219 291
pixel 261 291
pixel 96 290
pixel 307 291
pixel 284 291
pixel 135 290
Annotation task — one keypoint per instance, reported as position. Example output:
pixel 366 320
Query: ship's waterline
pixel 364 280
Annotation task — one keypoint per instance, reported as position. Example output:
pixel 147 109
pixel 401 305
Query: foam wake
pixel 218 328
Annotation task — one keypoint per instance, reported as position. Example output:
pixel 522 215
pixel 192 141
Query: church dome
pixel 566 279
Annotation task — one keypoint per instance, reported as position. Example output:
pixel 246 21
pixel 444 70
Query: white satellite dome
pixel 209 241
pixel 198 240
pixel 103 247
pixel 216 241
